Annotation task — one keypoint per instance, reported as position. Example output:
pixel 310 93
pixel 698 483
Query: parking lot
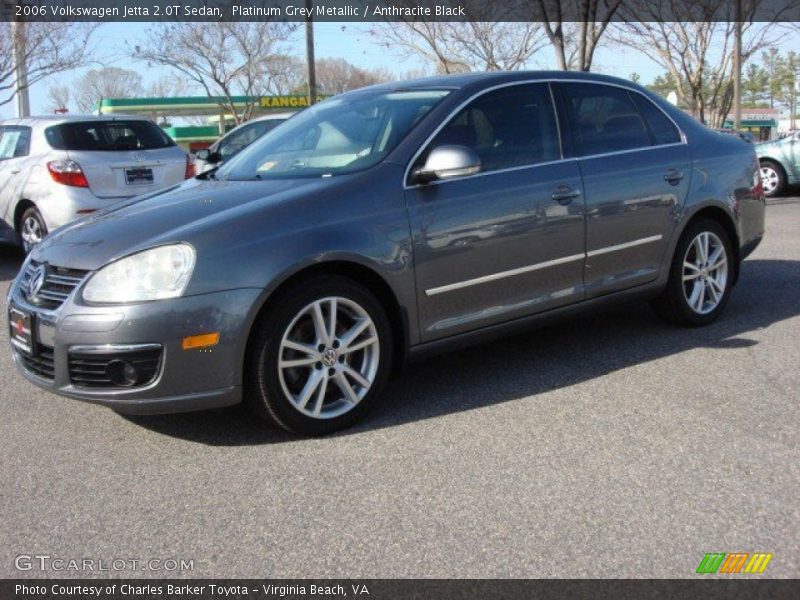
pixel 611 446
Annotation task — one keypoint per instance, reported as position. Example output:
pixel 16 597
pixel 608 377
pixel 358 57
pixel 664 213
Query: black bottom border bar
pixel 398 589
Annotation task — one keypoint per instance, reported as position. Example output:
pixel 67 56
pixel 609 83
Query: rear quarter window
pixel 107 136
pixel 14 141
pixel 661 127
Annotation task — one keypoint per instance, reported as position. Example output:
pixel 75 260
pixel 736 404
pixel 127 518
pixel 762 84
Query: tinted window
pixel 605 119
pixel 14 141
pixel 511 127
pixel 343 134
pixel 662 129
pixel 107 135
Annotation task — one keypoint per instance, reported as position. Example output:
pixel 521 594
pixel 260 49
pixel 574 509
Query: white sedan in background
pixel 236 140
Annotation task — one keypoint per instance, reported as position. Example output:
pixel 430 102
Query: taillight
pixel 67 172
pixel 189 168
pixel 758 185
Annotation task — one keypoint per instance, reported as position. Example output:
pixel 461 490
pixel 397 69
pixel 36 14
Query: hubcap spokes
pixel 769 179
pixel 31 233
pixel 705 272
pixel 328 357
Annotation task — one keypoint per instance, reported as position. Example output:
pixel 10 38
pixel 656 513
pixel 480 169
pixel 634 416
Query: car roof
pixel 490 78
pixel 272 117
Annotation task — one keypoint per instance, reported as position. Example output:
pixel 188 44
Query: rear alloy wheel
pixel 773 179
pixel 321 358
pixel 700 278
pixel 32 229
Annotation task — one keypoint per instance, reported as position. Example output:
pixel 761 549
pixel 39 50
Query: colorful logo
pixel 736 562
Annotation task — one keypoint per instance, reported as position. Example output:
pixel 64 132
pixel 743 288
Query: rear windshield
pixel 107 135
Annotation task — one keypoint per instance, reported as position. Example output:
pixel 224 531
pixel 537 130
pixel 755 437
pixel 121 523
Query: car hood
pixel 172 215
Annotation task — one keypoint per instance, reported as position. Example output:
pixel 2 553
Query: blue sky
pixel 352 42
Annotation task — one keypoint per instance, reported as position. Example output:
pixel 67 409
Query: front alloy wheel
pixel 320 357
pixel 329 358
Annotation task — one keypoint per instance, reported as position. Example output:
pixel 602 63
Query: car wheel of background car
pixel 773 179
pixel 700 277
pixel 320 357
pixel 32 229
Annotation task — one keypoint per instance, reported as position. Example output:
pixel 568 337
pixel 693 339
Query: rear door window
pixel 14 141
pixel 107 136
pixel 604 119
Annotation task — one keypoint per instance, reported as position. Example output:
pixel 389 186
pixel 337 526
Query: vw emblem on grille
pixel 137 157
pixel 37 281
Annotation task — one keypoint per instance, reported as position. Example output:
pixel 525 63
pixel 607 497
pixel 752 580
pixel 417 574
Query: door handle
pixel 673 177
pixel 15 171
pixel 564 194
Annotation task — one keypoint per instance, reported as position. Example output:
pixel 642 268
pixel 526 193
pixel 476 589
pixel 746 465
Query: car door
pixel 509 240
pixel 636 169
pixel 14 150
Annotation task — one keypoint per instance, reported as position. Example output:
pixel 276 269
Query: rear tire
pixel 701 276
pixel 773 178
pixel 32 229
pixel 312 374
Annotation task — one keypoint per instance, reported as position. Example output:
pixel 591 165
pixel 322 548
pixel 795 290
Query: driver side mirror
pixel 208 156
pixel 447 162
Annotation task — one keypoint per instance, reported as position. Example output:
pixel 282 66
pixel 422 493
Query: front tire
pixel 320 357
pixel 701 276
pixel 32 229
pixel 773 178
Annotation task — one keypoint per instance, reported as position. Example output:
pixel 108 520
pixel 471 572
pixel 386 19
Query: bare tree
pixel 225 59
pixel 575 42
pixel 58 98
pixel 50 48
pixel 486 43
pixel 108 82
pixel 336 75
pixel 694 44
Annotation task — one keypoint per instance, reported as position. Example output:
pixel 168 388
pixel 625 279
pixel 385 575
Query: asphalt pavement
pixel 609 446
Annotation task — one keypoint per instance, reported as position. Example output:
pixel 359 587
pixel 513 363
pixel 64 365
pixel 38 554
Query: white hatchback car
pixel 56 169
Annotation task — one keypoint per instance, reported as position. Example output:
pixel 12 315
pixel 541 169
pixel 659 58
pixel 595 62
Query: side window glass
pixel 605 119
pixel 507 128
pixel 663 130
pixel 12 142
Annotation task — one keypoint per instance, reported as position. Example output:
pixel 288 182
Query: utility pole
pixel 737 69
pixel 20 69
pixel 312 70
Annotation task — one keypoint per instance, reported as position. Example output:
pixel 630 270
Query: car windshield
pixel 339 135
pixel 107 135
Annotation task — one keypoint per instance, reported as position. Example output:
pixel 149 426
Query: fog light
pixel 122 373
pixel 200 341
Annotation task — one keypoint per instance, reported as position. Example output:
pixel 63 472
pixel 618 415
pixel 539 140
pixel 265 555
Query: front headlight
pixel 153 274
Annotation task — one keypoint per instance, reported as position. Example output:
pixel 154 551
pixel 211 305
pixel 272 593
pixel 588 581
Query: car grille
pixel 92 370
pixel 43 364
pixel 59 283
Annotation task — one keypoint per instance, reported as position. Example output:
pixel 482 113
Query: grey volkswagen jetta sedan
pixel 381 225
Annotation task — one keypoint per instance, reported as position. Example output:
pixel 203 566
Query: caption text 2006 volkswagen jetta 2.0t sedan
pixel 380 225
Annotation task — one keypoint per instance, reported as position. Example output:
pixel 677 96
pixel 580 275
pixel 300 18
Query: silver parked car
pixel 56 169
pixel 236 140
pixel 382 225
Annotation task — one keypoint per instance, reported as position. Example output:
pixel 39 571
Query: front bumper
pixel 186 380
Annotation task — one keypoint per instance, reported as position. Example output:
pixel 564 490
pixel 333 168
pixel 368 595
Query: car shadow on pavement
pixel 530 363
